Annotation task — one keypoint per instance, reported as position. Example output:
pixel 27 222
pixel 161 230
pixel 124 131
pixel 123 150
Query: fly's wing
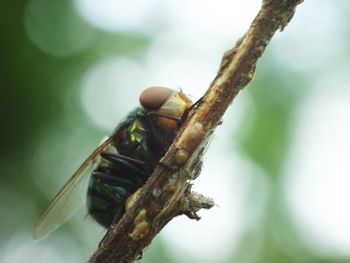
pixel 70 198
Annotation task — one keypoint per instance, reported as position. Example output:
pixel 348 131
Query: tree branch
pixel 167 193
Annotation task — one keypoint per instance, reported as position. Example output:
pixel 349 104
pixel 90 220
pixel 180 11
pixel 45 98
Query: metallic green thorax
pixel 140 137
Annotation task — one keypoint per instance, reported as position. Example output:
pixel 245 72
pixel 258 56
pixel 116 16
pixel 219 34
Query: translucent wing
pixel 70 198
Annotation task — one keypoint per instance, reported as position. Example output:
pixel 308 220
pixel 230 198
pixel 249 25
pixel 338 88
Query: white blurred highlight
pixel 317 180
pixel 110 89
pixel 312 47
pixel 114 15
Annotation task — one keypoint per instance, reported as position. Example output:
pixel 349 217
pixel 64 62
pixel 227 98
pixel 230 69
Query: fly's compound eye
pixel 154 97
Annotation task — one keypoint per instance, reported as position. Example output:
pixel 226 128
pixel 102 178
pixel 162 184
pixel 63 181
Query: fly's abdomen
pixel 120 173
pixel 108 190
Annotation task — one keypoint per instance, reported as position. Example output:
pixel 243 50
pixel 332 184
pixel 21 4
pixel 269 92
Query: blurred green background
pixel 278 166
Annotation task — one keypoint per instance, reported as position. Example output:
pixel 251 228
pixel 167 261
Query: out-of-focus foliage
pixel 46 50
pixel 39 103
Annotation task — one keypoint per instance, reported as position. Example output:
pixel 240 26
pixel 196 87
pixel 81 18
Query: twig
pixel 167 193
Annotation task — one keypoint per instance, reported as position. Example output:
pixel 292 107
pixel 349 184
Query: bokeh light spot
pixel 54 27
pixel 115 15
pixel 110 89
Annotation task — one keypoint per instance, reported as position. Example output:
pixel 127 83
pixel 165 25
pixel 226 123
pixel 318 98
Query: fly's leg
pixel 103 179
pixel 117 216
pixel 106 178
pixel 122 158
pixel 131 164
pixel 138 171
pixel 119 159
pixel 196 104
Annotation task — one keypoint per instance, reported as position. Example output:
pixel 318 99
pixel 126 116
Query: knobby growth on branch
pixel 168 193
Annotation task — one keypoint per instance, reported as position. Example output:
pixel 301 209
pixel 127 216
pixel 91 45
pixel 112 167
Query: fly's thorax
pixel 147 132
pixel 131 136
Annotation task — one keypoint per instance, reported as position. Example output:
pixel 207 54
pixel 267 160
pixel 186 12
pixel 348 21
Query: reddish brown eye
pixel 154 97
